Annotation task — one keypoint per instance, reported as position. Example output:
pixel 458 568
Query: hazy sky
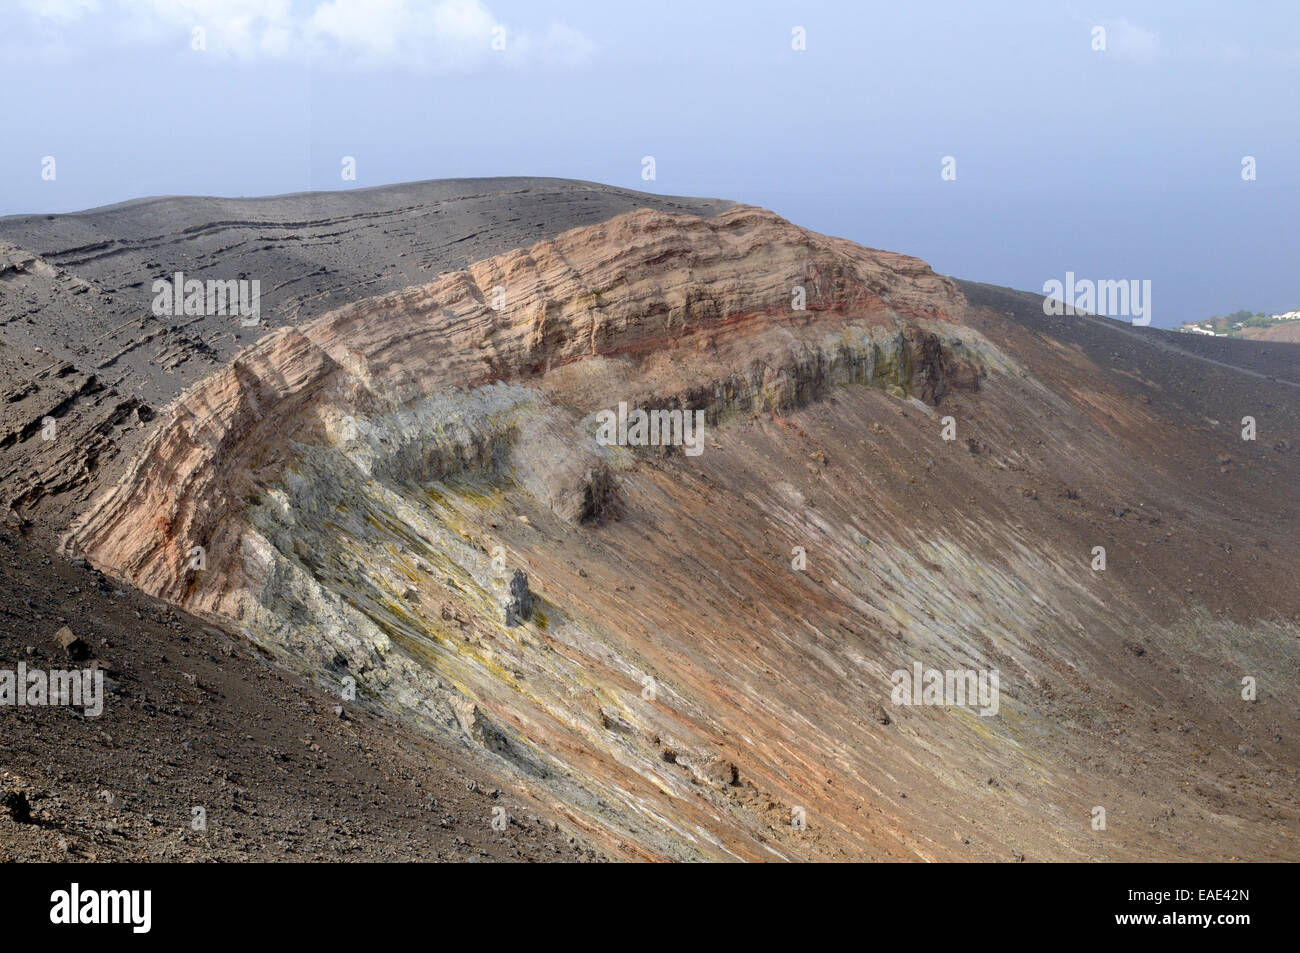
pixel 1116 163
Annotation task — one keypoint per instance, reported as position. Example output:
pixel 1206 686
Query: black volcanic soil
pixel 1107 340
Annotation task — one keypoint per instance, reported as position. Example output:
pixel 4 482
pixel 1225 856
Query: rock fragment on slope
pixel 518 605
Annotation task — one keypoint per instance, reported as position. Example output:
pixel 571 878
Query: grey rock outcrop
pixel 518 606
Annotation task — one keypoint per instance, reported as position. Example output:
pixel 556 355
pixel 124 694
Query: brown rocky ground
pixel 280 775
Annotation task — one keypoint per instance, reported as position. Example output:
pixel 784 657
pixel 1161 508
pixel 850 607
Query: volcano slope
pixel 83 345
pixel 897 469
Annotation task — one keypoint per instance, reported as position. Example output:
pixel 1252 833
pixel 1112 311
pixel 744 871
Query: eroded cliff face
pixel 711 636
pixel 80 342
pixel 739 314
